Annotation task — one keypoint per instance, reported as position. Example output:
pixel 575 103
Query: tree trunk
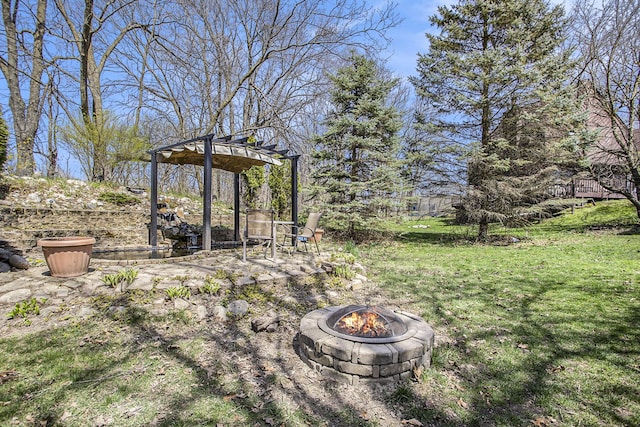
pixel 26 114
pixel 52 156
pixel 483 229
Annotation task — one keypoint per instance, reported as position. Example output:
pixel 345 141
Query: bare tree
pixel 95 31
pixel 22 64
pixel 235 66
pixel 607 36
pixel 230 67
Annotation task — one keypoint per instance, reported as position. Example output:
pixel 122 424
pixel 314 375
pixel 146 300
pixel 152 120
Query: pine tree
pixel 497 76
pixel 358 170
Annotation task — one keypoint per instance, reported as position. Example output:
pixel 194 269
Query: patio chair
pixel 259 227
pixel 305 233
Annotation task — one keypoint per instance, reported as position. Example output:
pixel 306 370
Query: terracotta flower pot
pixel 317 236
pixel 67 256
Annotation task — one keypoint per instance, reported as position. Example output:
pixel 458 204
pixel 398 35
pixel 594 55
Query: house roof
pixel 233 155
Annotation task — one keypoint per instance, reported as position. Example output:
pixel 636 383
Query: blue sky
pixel 409 37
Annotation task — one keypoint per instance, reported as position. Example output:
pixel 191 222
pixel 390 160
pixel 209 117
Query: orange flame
pixel 363 324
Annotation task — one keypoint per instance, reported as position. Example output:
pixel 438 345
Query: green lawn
pixel 544 330
pixel 539 328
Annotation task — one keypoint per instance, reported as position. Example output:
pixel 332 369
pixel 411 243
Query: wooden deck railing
pixel 583 187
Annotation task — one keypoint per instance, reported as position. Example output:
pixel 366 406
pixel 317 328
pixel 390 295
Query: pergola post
pixel 206 203
pixel 236 207
pixel 153 225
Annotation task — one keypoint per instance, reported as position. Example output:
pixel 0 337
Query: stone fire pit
pixel 356 344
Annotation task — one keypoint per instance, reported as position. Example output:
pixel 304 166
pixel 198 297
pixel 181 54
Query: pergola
pixel 232 155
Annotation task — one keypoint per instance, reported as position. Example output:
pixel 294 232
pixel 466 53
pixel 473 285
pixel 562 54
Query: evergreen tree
pixel 496 75
pixel 254 179
pixel 280 186
pixel 358 170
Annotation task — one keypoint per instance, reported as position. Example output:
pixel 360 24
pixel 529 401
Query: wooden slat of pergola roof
pixel 234 156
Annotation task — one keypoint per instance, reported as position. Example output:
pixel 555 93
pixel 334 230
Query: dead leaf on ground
pixel 412 422
pixel 417 373
pixel 462 404
pixel 543 421
pixel 7 376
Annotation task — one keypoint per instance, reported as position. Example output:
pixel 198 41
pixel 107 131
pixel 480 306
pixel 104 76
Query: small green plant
pixel 210 286
pixel 335 282
pixel 344 271
pixel 25 308
pixel 181 278
pixel 351 248
pixel 128 276
pixel 254 293
pixel 178 292
pixel 119 199
pixel 344 257
pixel 180 316
pixel 220 274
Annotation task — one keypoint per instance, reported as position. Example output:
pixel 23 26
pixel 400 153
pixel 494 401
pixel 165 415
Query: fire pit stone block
pixel 338 348
pixel 372 354
pixel 354 368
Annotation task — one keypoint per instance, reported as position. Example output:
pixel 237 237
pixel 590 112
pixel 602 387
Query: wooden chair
pixel 259 227
pixel 306 233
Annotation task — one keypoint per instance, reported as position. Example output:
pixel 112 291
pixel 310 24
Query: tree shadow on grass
pixel 506 368
pixel 524 362
pixel 189 373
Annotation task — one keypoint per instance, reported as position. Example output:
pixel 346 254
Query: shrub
pixel 119 199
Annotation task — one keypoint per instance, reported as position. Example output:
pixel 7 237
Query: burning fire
pixel 368 324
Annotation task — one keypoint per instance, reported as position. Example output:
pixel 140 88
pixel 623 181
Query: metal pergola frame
pixel 225 153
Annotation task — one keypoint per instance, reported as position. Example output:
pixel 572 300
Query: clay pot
pixel 67 256
pixel 317 236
